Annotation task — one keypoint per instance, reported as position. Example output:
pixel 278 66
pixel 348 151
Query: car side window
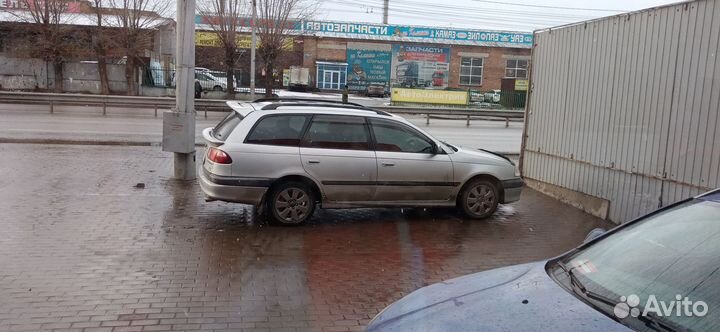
pixel 285 130
pixel 337 132
pixel 394 137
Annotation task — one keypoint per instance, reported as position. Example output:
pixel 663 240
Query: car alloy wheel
pixel 480 199
pixel 292 204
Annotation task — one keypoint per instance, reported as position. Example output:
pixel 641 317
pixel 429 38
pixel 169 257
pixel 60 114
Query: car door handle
pixel 386 164
pixel 313 161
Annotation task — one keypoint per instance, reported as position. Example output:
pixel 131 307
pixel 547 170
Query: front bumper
pixel 512 189
pixel 237 193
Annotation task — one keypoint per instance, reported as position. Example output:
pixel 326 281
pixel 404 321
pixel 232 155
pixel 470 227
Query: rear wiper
pixel 574 281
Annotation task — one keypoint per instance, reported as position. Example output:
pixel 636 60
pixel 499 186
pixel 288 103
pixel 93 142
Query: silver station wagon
pixel 288 156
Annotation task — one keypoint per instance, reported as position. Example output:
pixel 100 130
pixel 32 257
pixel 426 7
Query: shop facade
pixel 359 54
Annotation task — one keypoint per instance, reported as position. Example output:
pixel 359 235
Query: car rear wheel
pixel 479 199
pixel 291 203
pixel 217 88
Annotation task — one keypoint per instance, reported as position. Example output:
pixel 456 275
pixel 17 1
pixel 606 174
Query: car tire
pixel 290 203
pixel 217 88
pixel 479 199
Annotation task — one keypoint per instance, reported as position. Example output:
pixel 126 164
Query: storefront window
pixel 471 70
pixel 331 76
pixel 516 68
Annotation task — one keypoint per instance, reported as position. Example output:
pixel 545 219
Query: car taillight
pixel 219 156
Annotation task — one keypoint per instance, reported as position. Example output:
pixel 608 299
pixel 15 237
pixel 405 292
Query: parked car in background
pixel 377 90
pixel 289 156
pixel 211 82
pixel 222 76
pixel 493 96
pixel 612 282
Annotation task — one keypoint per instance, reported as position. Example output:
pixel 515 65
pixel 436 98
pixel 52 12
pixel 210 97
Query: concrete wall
pixel 22 74
pixel 31 74
pixel 625 108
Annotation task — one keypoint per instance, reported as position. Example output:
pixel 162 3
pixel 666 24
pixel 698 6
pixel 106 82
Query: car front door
pixel 409 167
pixel 336 152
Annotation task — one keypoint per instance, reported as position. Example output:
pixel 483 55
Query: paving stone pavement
pixel 83 249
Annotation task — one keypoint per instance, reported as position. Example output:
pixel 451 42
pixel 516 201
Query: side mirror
pixel 593 234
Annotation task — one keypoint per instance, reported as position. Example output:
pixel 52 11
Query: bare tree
pixel 98 38
pixel 49 19
pixel 275 18
pixel 136 20
pixel 225 21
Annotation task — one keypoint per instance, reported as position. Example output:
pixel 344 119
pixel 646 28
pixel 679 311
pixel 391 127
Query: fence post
pixel 467 124
pixel 156 110
pixel 206 112
pixel 52 107
pixel 507 122
pixel 427 120
pixel 104 108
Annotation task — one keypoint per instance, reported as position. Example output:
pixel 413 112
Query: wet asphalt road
pixel 69 123
pixel 83 249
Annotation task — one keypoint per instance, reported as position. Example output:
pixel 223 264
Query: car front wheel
pixel 291 203
pixel 479 199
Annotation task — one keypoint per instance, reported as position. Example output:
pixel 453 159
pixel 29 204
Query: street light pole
pixel 179 124
pixel 386 5
pixel 252 50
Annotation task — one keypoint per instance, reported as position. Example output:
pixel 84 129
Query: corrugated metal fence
pixel 626 108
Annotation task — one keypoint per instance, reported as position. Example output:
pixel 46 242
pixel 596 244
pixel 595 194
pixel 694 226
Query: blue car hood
pixel 515 298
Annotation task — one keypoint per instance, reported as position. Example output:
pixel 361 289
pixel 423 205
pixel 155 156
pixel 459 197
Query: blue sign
pixel 424 34
pixel 367 67
pixel 401 33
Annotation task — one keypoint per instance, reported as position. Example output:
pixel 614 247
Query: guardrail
pixel 213 105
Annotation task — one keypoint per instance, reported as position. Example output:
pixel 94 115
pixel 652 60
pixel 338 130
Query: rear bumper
pixel 512 189
pixel 236 190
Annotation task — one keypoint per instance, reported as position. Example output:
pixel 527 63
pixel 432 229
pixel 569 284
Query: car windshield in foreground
pixel 662 272
pixel 226 126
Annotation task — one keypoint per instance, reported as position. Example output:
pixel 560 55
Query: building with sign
pixel 360 54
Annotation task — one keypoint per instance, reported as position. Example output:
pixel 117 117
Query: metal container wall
pixel 626 108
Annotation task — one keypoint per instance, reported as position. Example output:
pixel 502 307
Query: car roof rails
pixel 327 105
pixel 300 99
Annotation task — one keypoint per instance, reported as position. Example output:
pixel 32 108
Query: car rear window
pixel 227 125
pixel 278 130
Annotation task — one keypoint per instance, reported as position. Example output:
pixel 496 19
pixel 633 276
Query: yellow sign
pixel 521 85
pixel 211 39
pixel 430 96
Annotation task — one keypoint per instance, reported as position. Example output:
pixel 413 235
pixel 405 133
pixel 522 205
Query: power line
pixel 494 23
pixel 532 21
pixel 415 4
pixel 503 15
pixel 553 7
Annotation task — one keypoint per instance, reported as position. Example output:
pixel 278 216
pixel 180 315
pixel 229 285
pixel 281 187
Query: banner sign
pixel 424 96
pixel 521 85
pixel 211 39
pixel 422 34
pixel 420 66
pixel 367 67
pixel 402 33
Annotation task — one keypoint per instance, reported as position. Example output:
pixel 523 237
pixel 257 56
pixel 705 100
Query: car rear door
pixel 336 151
pixel 409 167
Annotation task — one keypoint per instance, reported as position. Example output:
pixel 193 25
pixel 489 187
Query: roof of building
pixel 79 19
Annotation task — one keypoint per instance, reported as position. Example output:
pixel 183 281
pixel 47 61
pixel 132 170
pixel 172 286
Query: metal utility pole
pixel 386 5
pixel 252 50
pixel 179 124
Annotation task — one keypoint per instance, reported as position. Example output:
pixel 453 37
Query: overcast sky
pixel 516 15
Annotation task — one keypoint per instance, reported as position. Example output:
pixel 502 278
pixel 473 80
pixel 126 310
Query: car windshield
pixel 650 264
